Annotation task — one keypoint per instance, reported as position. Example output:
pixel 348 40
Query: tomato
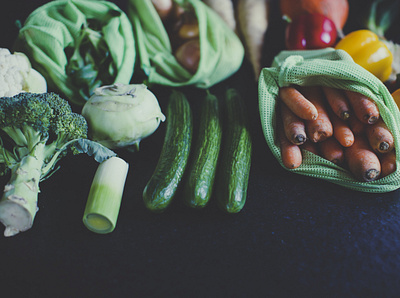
pixel 310 31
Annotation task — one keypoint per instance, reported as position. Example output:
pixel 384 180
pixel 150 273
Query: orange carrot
pixel 297 103
pixel 310 146
pixel 388 163
pixel 362 161
pixel 379 137
pixel 364 108
pixel 321 128
pixel 332 150
pixel 291 153
pixel 338 102
pixel 357 127
pixel 341 131
pixel 294 126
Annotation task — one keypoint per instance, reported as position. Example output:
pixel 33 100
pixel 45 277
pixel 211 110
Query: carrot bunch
pixel 341 126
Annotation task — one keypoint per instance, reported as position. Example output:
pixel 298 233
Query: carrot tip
pixel 345 115
pixel 372 119
pixel 371 175
pixel 299 139
pixel 384 146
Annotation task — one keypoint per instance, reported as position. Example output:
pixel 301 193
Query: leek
pixel 105 195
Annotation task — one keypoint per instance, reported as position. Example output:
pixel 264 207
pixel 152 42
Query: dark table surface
pixel 296 236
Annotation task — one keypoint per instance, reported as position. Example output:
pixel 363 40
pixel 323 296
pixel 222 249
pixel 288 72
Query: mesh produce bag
pixel 333 68
pixel 221 51
pixel 79 45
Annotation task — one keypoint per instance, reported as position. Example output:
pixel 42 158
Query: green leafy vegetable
pixel 79 45
pixel 36 131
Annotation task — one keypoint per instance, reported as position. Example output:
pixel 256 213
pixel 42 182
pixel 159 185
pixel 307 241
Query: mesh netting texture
pixel 333 68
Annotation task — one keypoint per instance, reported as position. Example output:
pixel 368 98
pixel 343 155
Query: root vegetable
pixel 362 161
pixel 310 146
pixel 356 126
pixel 225 9
pixel 321 128
pixel 294 127
pixel 297 103
pixel 341 131
pixel 331 150
pixel 252 18
pixel 379 137
pixel 364 108
pixel 337 101
pixel 291 153
pixel 388 163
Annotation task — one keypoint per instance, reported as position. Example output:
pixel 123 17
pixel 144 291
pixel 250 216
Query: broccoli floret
pixel 36 131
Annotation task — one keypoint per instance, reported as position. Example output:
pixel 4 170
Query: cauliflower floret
pixel 17 75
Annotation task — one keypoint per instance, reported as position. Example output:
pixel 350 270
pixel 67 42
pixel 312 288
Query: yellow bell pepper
pixel 369 51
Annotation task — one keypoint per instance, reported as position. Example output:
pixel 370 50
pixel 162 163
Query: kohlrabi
pixel 121 115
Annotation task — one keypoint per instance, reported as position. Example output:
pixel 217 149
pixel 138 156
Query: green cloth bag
pixel 221 51
pixel 334 68
pixel 78 45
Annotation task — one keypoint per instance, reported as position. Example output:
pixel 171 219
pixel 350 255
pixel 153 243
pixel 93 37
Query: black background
pixel 296 235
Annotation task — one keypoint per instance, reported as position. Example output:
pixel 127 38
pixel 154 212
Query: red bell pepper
pixel 310 31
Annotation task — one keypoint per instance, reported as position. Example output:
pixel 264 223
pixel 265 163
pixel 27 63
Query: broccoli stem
pixel 18 205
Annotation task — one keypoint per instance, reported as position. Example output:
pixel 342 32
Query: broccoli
pixel 36 131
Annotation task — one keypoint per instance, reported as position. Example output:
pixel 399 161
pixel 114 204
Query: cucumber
pixel 235 159
pixel 202 168
pixel 163 184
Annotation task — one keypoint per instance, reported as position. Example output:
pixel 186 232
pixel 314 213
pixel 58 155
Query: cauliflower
pixel 17 75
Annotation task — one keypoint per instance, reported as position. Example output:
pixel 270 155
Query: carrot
pixel 310 146
pixel 294 127
pixel 341 131
pixel 321 128
pixel 291 153
pixel 297 103
pixel 379 137
pixel 252 16
pixel 337 101
pixel 363 163
pixel 225 9
pixel 356 126
pixel 364 108
pixel 331 150
pixel 388 163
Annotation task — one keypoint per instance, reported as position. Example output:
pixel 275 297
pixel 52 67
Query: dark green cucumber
pixel 163 184
pixel 202 169
pixel 235 158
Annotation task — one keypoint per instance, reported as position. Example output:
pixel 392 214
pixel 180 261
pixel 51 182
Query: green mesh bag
pixel 221 51
pixel 79 45
pixel 334 68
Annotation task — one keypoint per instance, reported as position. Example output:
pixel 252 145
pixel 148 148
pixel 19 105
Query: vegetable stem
pixel 104 201
pixel 18 205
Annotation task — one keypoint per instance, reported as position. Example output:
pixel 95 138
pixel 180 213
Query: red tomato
pixel 310 31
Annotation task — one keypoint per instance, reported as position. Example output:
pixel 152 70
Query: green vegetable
pixel 235 159
pixel 122 115
pixel 36 131
pixel 201 173
pixel 105 196
pixel 79 45
pixel 162 186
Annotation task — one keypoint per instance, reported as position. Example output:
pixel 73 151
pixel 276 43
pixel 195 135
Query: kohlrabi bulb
pixel 122 115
